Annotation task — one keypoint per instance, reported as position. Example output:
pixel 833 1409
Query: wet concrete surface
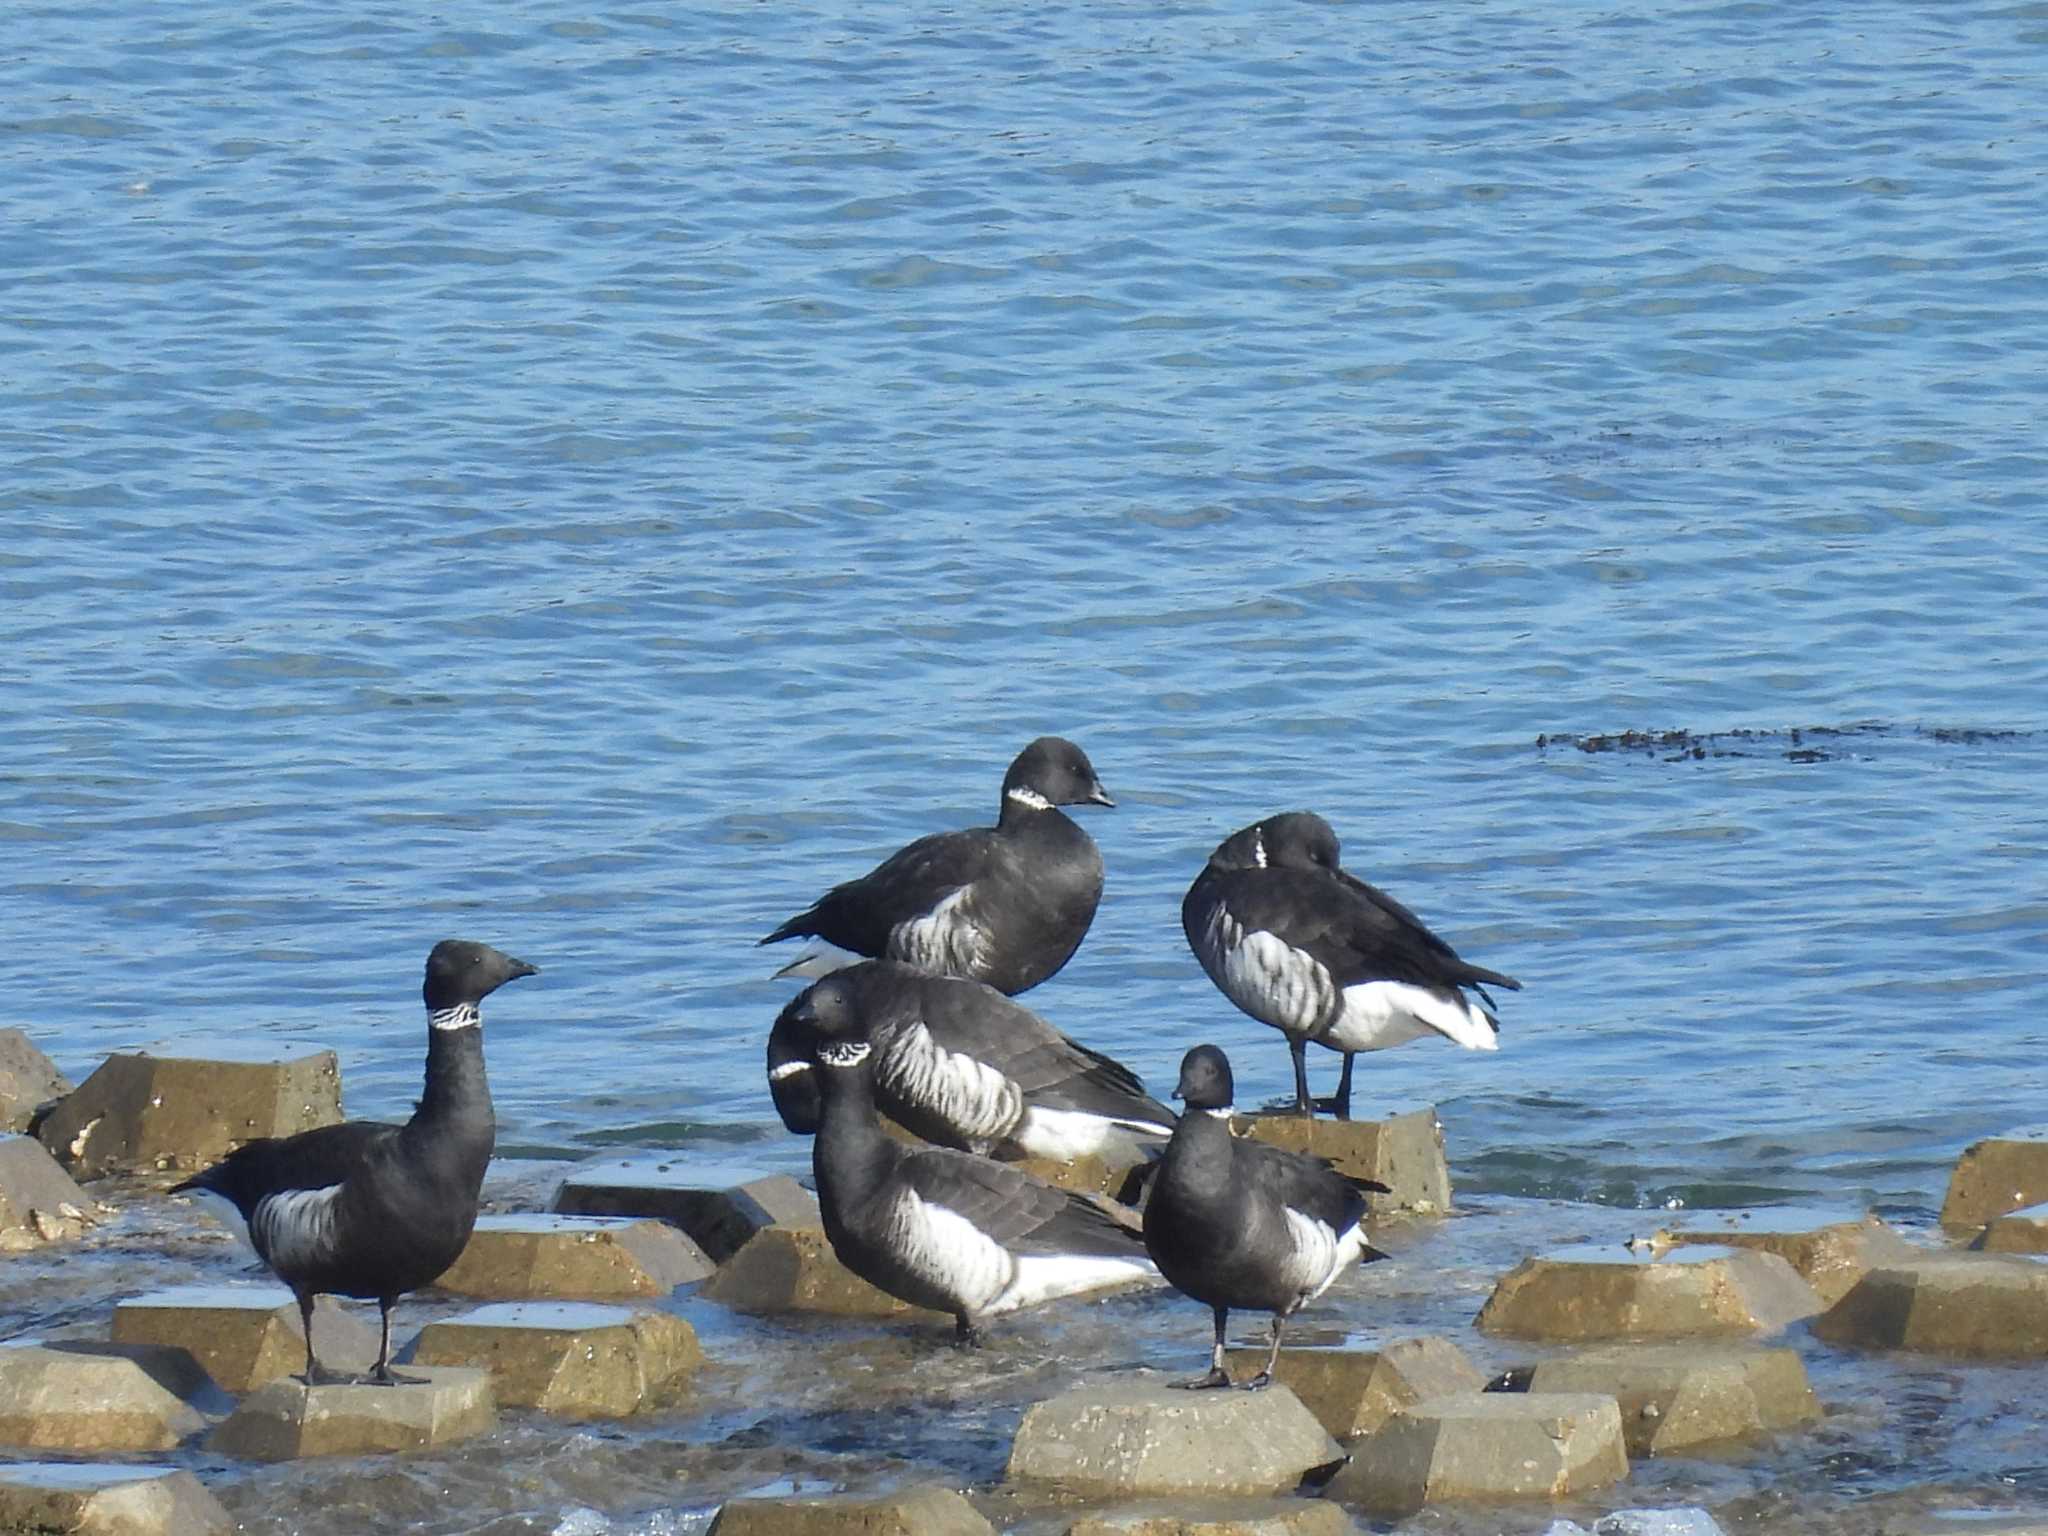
pixel 826 1404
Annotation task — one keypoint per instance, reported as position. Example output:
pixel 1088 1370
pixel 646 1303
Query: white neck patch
pixel 1223 1112
pixel 844 1053
pixel 1258 850
pixel 1029 798
pixel 787 1069
pixel 461 1016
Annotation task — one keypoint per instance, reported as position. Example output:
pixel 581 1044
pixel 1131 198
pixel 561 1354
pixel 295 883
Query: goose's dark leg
pixel 1265 1377
pixel 1303 1104
pixel 381 1372
pixel 316 1374
pixel 1344 1087
pixel 965 1333
pixel 1217 1377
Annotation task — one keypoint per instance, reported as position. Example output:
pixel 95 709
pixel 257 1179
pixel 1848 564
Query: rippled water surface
pixel 588 479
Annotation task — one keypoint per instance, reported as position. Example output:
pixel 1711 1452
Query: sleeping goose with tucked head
pixel 1006 905
pixel 1298 943
pixel 941 1228
pixel 371 1210
pixel 961 1065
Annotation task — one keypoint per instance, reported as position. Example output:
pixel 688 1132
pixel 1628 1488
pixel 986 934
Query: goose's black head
pixel 830 1018
pixel 463 971
pixel 1300 840
pixel 1290 840
pixel 1205 1079
pixel 1056 771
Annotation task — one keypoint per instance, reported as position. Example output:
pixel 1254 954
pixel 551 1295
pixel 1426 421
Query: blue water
pixel 588 479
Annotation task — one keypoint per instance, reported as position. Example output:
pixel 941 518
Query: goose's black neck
pixel 455 1107
pixel 852 1154
pixel 1023 809
pixel 1198 1155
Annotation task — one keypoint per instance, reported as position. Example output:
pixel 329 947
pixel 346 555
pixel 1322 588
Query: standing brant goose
pixel 1320 955
pixel 374 1211
pixel 945 1229
pixel 1238 1223
pixel 959 1064
pixel 1006 904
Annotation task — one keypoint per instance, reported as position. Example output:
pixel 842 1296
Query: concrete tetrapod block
pixel 288 1419
pixel 2004 1173
pixel 540 1257
pixel 717 1205
pixel 1677 1395
pixel 85 1397
pixel 1488 1446
pixel 920 1511
pixel 1831 1249
pixel 245 1336
pixel 793 1269
pixel 95 1499
pixel 1266 1517
pixel 1404 1152
pixel 1989 1305
pixel 1353 1391
pixel 1146 1437
pixel 2023 1231
pixel 576 1359
pixel 28 1080
pixel 141 1112
pixel 39 1201
pixel 1602 1291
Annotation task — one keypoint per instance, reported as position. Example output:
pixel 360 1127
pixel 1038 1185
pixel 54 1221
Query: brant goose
pixel 368 1210
pixel 1320 955
pixel 1237 1223
pixel 959 1064
pixel 1006 904
pixel 945 1229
